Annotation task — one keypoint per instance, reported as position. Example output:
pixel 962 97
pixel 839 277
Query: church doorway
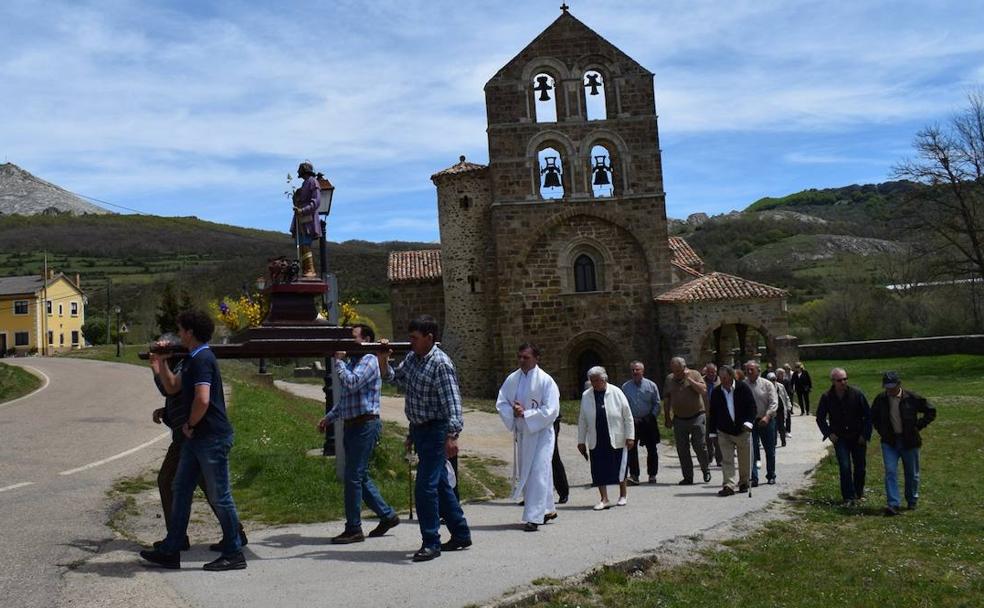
pixel 585 361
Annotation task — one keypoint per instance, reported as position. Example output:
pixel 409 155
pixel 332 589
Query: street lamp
pixel 118 311
pixel 260 286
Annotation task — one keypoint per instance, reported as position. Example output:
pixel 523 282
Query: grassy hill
pixel 126 259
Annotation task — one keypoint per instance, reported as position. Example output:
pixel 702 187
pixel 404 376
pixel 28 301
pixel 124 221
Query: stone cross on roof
pixel 564 7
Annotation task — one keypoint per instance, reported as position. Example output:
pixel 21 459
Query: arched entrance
pixel 584 352
pixel 733 343
pixel 585 361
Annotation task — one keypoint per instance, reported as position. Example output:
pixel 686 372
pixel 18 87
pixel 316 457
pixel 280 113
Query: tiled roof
pixel 412 266
pixel 721 286
pixel 684 254
pixel 686 269
pixel 462 166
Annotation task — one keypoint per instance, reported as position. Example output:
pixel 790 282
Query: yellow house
pixel 21 323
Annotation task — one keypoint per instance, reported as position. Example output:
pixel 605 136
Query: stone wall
pixel 467 263
pixel 906 347
pixel 410 300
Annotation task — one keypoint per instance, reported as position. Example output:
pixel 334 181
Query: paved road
pixel 54 473
pixel 295 565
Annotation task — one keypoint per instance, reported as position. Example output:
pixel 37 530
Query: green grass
pixel 827 555
pixel 273 478
pixel 16 382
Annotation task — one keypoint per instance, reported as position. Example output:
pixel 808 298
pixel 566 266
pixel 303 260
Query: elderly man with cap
pixel 898 416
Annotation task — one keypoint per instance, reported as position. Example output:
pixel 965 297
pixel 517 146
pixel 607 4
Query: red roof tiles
pixel 684 254
pixel 411 266
pixel 720 286
pixel 462 166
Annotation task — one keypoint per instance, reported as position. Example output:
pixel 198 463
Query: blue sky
pixel 194 108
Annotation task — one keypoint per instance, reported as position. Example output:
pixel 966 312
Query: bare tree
pixel 949 166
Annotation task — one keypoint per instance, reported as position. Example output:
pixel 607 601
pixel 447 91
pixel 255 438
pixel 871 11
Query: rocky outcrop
pixel 24 194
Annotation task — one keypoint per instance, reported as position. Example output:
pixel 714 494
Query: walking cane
pixel 751 462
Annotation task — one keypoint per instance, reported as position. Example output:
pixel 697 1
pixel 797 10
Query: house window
pixel 594 96
pixel 20 307
pixel 74 308
pixel 75 338
pixel 47 307
pixel 61 339
pixel 474 284
pixel 465 202
pixel 584 274
pixel 61 310
pixel 21 338
pixel 545 98
pixel 51 337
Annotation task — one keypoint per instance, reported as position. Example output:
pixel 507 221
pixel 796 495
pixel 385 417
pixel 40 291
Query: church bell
pixel 601 170
pixel 551 173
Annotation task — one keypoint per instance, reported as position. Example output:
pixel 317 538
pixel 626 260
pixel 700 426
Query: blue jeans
pixel 208 457
pixel 359 443
pixel 435 497
pixel 766 437
pixel 910 463
pixel 850 451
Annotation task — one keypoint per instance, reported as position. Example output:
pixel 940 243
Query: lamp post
pixel 260 286
pixel 333 436
pixel 118 311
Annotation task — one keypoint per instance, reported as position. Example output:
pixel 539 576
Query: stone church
pixel 562 238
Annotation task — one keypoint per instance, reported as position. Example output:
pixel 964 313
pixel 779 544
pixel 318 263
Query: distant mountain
pixel 22 193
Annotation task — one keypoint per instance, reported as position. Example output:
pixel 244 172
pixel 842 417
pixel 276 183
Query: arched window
pixel 545 98
pixel 584 274
pixel 551 173
pixel 594 96
pixel 602 175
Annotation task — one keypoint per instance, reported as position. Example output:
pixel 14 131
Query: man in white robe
pixel 528 404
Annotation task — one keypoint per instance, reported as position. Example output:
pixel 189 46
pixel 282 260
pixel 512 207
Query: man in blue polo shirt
pixel 205 452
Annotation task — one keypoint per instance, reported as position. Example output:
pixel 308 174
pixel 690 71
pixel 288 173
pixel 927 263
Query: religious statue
pixel 306 228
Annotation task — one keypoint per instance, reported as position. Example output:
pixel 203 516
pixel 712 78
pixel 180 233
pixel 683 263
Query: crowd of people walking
pixel 722 416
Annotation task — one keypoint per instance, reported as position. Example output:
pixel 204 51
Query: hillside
pixel 24 194
pixel 127 259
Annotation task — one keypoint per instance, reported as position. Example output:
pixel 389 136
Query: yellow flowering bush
pixel 239 314
pixel 348 314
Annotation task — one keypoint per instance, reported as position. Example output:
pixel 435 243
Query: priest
pixel 528 404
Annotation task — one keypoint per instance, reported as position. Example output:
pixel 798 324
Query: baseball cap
pixel 890 380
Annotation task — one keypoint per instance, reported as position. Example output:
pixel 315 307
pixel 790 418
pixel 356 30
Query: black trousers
pixel 804 402
pixel 647 433
pixel 559 474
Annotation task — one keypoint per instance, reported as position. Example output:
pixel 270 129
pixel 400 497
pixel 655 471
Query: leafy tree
pixel 94 330
pixel 167 310
pixel 186 302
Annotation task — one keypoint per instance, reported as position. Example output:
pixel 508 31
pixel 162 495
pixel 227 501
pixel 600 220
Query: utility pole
pixel 109 284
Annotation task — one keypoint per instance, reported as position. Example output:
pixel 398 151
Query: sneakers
pixel 455 544
pixel 632 480
pixel 235 561
pixel 243 541
pixel 384 526
pixel 348 537
pixel 171 561
pixel 726 491
pixel 621 502
pixel 602 505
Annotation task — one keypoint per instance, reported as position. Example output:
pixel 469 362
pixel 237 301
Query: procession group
pixel 721 414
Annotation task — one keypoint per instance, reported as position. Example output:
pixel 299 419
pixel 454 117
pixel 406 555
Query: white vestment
pixel 534 436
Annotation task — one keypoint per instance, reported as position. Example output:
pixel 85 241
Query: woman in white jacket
pixel 605 428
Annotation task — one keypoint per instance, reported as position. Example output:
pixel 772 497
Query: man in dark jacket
pixel 802 385
pixel 898 416
pixel 845 418
pixel 731 419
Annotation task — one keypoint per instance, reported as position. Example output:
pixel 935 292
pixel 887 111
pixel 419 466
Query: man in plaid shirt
pixel 433 407
pixel 358 407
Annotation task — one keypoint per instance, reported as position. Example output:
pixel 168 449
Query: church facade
pixel 562 238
